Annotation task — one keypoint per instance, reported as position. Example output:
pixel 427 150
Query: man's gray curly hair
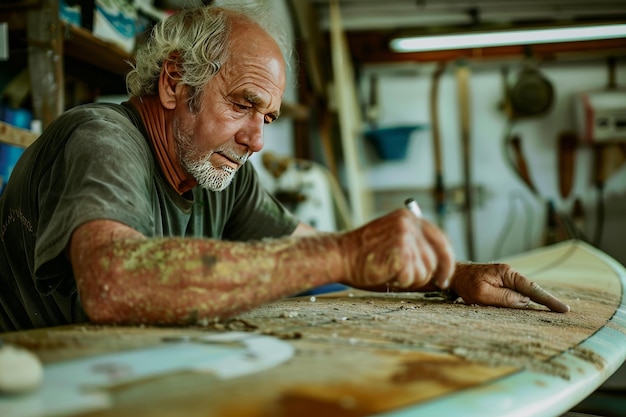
pixel 199 39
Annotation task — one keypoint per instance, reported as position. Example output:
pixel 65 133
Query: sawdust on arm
pixel 124 277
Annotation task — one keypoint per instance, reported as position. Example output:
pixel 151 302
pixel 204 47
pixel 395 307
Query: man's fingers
pixel 533 291
pixel 445 259
pixel 504 297
pixel 541 296
pixel 407 276
pixel 420 270
pixel 445 270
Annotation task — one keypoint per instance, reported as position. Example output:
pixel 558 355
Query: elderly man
pixel 148 212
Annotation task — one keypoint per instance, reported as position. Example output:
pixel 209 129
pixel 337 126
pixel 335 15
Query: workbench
pixel 350 353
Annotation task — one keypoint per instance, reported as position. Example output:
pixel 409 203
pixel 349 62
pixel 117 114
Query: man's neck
pixel 155 118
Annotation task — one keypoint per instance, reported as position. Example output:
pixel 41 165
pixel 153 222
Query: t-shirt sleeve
pixel 257 214
pixel 101 173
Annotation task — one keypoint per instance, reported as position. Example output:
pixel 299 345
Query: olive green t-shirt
pixel 96 162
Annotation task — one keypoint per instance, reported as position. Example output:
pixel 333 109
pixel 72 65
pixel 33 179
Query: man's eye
pixel 241 106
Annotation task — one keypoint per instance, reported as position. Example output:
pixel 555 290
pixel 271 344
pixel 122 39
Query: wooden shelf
pixel 80 44
pixel 57 50
pixel 15 135
pixel 14 12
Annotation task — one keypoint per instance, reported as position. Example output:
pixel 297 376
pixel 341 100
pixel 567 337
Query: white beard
pixel 209 176
pixel 200 167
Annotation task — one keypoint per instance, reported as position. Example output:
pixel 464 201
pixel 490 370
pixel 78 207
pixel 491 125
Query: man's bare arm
pixel 125 278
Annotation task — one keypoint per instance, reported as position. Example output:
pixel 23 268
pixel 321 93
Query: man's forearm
pixel 181 281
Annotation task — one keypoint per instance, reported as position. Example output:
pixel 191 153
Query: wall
pixel 403 98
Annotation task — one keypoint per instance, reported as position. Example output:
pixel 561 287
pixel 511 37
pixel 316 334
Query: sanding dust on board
pixel 495 336
pixel 380 322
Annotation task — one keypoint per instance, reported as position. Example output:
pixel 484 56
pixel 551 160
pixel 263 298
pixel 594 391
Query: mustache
pixel 232 155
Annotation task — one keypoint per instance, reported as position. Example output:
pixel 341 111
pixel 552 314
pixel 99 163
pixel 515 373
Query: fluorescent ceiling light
pixel 504 38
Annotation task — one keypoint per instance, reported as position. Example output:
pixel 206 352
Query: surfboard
pixel 351 353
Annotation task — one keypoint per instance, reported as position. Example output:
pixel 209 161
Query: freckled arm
pixel 124 277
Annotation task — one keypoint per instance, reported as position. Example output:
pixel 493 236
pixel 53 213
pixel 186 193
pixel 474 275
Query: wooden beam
pixel 309 39
pixel 350 123
pixel 45 61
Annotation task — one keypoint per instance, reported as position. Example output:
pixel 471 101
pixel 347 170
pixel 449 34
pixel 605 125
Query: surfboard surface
pixel 356 353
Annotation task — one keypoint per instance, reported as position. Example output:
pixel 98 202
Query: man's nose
pixel 251 134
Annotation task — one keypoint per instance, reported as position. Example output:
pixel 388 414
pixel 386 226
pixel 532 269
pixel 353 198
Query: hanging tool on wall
pixel 567 143
pixel 372 111
pixel 608 158
pixel 463 77
pixel 439 192
pixel 531 94
pixel 521 166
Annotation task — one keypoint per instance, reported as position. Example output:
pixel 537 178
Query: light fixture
pixel 506 38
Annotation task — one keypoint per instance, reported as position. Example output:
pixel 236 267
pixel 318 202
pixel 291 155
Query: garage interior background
pixel 560 184
pixel 503 147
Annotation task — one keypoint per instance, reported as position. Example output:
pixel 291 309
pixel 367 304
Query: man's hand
pixel 399 250
pixel 502 286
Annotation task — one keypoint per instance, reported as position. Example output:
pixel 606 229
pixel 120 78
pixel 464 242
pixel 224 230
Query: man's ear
pixel 169 88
